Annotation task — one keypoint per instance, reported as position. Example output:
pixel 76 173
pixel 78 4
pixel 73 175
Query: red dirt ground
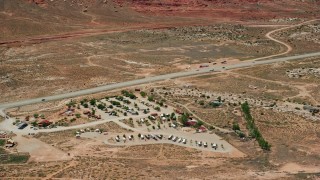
pixel 222 9
pixel 192 12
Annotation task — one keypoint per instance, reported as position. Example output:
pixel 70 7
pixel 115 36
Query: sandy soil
pixel 40 151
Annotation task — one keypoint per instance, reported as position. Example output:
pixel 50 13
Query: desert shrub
pixel 78 115
pixel 36 115
pixel 85 105
pixel 143 94
pixel 101 106
pixel 235 127
pixel 93 102
pixel 151 98
pixel 2 142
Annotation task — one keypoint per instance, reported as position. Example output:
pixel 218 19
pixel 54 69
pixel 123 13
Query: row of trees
pixel 128 94
pixel 253 130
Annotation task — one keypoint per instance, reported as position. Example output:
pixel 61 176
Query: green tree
pixel 199 123
pixel 241 134
pixel 101 106
pixel 93 102
pixel 151 98
pixel 120 98
pixel 143 94
pixel 184 119
pixel 36 115
pixel 132 96
pixel 34 123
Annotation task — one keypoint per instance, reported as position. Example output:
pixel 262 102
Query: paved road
pixel 8 126
pixel 152 79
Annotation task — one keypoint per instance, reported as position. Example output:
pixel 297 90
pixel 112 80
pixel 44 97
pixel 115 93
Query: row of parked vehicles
pixel 152 136
pixel 177 139
pixel 124 138
pixel 140 136
pixel 205 144
pixel 173 138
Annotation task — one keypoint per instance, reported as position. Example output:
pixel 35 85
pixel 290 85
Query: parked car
pixel 22 125
pixel 174 139
pixel 117 139
pixel 205 144
pixel 160 136
pixel 214 145
pixel 148 136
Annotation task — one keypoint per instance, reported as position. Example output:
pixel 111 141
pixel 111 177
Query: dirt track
pixel 289 48
pixel 42 39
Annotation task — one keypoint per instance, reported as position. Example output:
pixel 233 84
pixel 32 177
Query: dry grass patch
pixel 277 72
pixel 66 140
pixel 35 170
pixel 293 138
pixel 233 83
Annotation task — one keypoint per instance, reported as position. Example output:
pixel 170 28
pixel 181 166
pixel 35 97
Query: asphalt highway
pixel 152 79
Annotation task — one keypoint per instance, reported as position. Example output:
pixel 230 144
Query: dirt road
pixel 87 33
pixel 288 47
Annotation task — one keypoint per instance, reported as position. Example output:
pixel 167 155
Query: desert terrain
pixel 98 40
pixel 159 89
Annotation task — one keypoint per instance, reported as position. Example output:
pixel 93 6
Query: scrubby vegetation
pixel 15 158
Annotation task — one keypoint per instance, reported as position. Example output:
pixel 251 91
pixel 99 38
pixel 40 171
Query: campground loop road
pixel 151 79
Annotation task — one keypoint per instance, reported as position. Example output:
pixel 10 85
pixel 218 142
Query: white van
pixel 184 141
